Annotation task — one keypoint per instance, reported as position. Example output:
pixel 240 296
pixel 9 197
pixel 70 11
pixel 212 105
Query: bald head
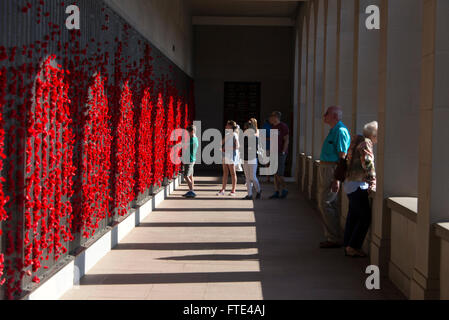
pixel 333 115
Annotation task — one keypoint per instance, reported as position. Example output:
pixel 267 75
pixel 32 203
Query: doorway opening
pixel 241 101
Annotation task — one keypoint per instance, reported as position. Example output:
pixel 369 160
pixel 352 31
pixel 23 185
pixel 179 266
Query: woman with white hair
pixel 359 183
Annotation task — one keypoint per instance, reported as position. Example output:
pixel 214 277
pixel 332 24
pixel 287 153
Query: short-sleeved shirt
pixel 282 132
pixel 193 149
pixel 338 140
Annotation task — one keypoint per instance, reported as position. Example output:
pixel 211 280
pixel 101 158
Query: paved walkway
pixel 227 248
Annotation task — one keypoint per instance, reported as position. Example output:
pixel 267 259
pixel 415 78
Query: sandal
pixel 353 253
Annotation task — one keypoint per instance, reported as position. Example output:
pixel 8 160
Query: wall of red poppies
pixel 85 120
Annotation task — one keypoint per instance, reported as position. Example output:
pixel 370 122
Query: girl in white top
pixel 230 146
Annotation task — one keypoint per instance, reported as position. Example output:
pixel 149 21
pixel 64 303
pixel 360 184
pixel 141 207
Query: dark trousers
pixel 358 220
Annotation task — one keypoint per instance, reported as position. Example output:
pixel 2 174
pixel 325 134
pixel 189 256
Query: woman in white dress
pixel 230 146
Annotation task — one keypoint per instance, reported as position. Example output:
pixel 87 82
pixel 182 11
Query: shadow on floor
pixel 195 224
pixel 289 263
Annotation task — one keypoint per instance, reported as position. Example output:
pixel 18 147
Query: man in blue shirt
pixel 334 148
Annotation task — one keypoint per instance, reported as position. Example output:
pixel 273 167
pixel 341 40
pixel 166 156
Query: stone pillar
pixel 348 40
pixel 303 102
pixel 398 94
pixel 330 96
pixel 303 89
pixel 310 96
pixel 320 76
pixel 433 202
pixel 402 98
pixel 367 89
pixel 296 103
pixel 348 26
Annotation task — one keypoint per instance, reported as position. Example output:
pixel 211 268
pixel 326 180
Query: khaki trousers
pixel 329 210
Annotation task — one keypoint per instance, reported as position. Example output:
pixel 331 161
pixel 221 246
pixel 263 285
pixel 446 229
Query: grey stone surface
pixel 227 248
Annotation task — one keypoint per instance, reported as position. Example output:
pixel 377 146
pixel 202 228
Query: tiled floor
pixel 227 248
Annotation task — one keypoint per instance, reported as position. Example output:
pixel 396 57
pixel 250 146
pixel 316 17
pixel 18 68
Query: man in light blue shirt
pixel 334 148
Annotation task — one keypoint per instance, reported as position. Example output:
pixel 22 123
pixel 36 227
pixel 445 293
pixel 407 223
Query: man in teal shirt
pixel 188 167
pixel 334 148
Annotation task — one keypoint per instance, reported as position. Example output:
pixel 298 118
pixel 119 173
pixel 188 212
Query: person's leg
pixel 189 183
pixel 253 171
pixel 321 196
pixel 329 211
pixel 225 177
pixel 363 221
pixel 351 220
pixel 187 179
pixel 276 188
pixel 281 183
pixel 233 177
pixel 248 179
pixel 282 186
pixel 281 173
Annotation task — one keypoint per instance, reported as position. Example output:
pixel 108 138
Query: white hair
pixel 370 129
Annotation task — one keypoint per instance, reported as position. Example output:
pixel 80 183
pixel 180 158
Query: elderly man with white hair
pixel 360 181
pixel 334 150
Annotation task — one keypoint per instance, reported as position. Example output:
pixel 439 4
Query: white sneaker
pixel 232 194
pixel 221 193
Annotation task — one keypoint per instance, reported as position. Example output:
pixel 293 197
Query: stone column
pixel 347 75
pixel 296 103
pixel 303 89
pixel 397 151
pixel 320 76
pixel 303 102
pixel 330 88
pixel 433 201
pixel 367 90
pixel 310 97
pixel 347 58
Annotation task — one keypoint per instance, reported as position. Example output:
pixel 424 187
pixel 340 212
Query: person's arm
pixel 343 143
pixel 286 139
pixel 286 142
